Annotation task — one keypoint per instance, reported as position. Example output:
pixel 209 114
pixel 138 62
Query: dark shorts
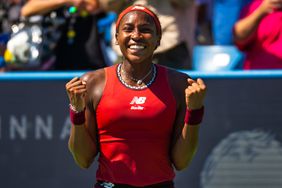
pixel 101 184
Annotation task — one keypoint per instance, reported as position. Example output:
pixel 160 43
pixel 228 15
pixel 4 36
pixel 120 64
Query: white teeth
pixel 136 47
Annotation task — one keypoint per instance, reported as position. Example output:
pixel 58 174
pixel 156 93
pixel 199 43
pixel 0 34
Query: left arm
pixel 185 136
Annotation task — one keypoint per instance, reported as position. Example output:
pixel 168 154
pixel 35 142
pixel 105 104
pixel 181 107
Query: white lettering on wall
pixel 42 127
pixel 39 127
pixel 17 128
pixel 66 129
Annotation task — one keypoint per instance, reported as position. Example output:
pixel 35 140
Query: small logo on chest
pixel 136 103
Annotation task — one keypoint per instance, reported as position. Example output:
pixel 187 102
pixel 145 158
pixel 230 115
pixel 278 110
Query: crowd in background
pixel 79 34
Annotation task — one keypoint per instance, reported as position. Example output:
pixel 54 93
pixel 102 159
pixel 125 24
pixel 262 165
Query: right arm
pixel 85 93
pixel 245 28
pixel 33 7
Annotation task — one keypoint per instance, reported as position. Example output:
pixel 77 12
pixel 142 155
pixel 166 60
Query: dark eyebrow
pixel 146 24
pixel 142 25
pixel 128 24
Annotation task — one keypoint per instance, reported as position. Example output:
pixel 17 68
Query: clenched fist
pixel 76 90
pixel 195 93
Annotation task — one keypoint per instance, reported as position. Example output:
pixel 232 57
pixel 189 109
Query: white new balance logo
pixel 136 102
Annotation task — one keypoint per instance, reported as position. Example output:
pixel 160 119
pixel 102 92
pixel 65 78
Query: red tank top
pixel 135 129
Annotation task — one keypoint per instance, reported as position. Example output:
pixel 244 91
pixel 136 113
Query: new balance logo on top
pixel 137 102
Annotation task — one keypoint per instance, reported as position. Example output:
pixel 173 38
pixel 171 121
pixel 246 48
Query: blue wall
pixel 242 126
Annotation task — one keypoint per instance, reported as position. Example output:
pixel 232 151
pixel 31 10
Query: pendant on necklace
pixel 139 82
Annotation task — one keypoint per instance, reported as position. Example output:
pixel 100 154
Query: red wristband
pixel 194 117
pixel 77 118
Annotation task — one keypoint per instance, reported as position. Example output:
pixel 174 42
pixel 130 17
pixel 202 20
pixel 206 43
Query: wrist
pixel 194 107
pixel 76 109
pixel 262 12
pixel 194 116
pixel 76 117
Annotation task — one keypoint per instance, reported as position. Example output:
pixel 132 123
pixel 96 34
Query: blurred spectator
pixel 2 64
pixel 9 15
pixel 3 40
pixel 79 45
pixel 203 34
pixel 258 34
pixel 178 20
pixel 113 8
pixel 225 13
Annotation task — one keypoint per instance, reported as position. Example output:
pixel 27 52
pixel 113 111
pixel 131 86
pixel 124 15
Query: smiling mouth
pixel 136 47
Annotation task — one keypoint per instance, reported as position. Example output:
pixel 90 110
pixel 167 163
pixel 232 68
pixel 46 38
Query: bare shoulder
pixel 95 76
pixel 95 83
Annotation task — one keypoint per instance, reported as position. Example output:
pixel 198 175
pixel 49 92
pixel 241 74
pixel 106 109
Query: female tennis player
pixel 141 119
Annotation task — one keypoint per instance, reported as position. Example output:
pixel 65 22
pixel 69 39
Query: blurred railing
pixel 68 75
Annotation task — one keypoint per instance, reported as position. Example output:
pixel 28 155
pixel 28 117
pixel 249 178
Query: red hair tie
pixel 142 9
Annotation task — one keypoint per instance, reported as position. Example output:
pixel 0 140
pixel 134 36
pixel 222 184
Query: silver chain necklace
pixel 138 81
pixel 137 87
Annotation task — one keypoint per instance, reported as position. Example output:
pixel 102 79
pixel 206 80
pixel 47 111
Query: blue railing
pixel 24 76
